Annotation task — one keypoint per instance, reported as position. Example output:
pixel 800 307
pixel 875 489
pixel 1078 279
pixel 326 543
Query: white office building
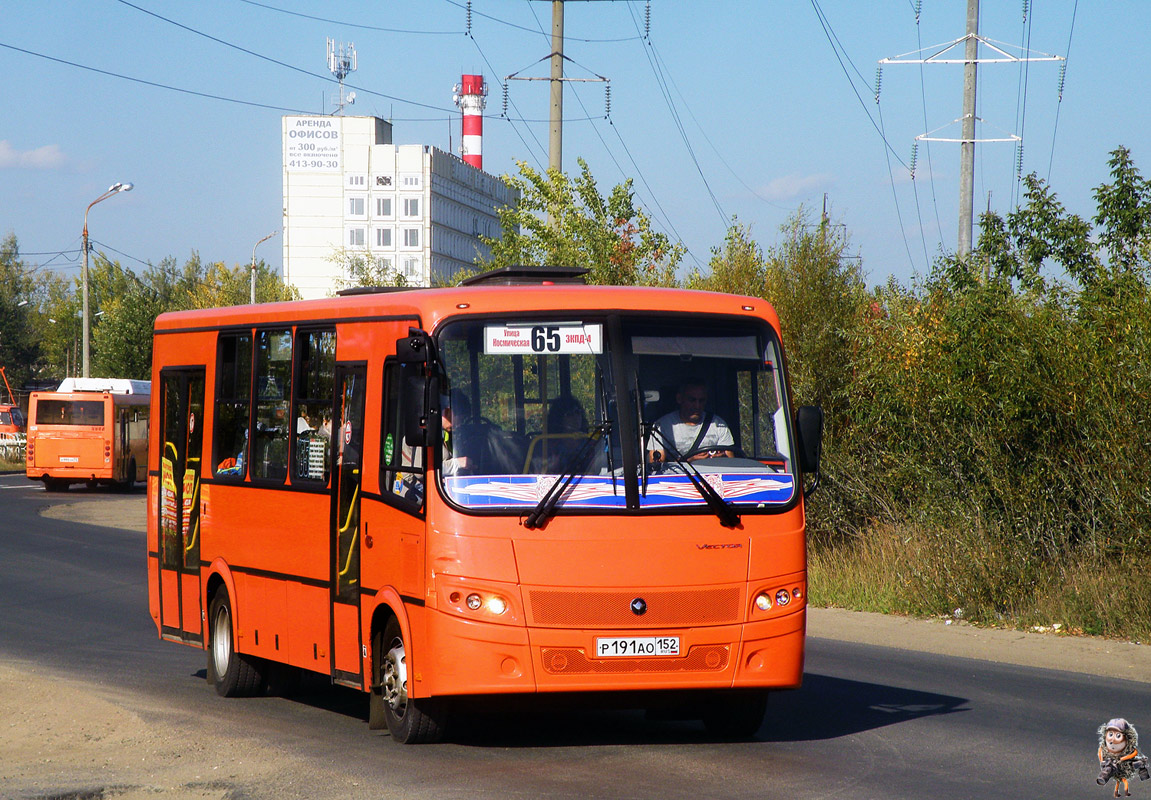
pixel 350 192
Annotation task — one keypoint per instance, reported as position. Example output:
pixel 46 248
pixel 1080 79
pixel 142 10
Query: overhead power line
pixel 666 93
pixel 347 24
pixel 153 83
pixel 468 7
pixel 1062 79
pixel 277 62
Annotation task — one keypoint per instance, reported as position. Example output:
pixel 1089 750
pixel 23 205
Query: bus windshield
pixel 630 412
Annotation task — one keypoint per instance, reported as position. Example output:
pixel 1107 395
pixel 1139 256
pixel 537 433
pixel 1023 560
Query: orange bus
pixel 12 432
pixel 90 430
pixel 437 495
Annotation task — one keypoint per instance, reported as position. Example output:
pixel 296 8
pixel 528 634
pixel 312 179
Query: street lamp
pixel 115 188
pixel 257 244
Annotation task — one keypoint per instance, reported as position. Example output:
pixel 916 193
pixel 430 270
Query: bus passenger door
pixel 182 410
pixel 122 450
pixel 347 444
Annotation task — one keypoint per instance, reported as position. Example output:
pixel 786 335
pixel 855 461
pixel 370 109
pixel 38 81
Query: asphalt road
pixel 869 722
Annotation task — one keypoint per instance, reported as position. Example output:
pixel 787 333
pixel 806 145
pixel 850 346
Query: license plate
pixel 632 646
pixel 70 459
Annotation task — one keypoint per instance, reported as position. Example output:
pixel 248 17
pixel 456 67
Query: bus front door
pixel 182 409
pixel 347 444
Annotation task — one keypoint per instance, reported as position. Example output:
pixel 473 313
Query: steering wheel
pixel 716 451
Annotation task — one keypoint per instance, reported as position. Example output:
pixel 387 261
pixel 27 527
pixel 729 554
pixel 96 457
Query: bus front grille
pixel 676 608
pixel 573 660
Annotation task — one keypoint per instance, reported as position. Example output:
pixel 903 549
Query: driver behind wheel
pixel 692 430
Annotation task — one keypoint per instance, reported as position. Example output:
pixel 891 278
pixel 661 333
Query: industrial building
pixel 350 192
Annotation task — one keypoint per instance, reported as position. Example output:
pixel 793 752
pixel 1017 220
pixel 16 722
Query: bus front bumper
pixel 465 657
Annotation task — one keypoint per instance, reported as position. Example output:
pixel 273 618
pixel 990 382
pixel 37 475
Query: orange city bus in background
pixel 436 495
pixel 90 430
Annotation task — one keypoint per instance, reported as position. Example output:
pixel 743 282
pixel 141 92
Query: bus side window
pixel 402 464
pixel 233 399
pixel 271 432
pixel 312 404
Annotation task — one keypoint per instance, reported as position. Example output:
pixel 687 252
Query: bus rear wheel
pixel 408 720
pixel 233 674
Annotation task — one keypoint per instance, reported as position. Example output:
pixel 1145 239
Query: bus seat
pixel 490 449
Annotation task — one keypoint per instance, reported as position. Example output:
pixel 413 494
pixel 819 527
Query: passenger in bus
pixel 455 416
pixel 234 467
pixel 566 433
pixel 691 431
pixel 303 423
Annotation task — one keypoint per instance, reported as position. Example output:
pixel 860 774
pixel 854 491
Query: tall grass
pixel 994 456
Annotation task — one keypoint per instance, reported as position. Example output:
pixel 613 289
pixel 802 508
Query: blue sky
pixel 745 109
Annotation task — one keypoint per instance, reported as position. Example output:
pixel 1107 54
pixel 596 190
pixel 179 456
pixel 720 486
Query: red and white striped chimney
pixel 471 97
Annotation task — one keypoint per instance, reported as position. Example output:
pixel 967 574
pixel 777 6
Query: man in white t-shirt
pixel 691 429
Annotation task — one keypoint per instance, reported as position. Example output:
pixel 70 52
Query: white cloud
pixel 46 157
pixel 790 187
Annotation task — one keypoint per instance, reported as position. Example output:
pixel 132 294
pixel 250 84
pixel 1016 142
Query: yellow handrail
pixel 195 503
pixel 347 524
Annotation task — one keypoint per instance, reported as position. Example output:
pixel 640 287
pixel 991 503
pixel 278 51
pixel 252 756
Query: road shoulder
pixel 1087 655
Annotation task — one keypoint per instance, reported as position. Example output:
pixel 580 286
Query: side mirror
pixel 420 404
pixel 809 428
pixel 415 348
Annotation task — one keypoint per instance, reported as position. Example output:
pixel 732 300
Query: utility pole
pixel 967 138
pixel 556 117
pixel 556 81
pixel 967 146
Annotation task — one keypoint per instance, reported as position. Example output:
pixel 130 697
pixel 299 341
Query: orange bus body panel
pixel 270 546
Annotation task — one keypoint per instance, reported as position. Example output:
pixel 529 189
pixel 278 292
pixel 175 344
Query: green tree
pixel 361 268
pixel 221 285
pixel 128 305
pixel 57 323
pixel 739 267
pixel 1037 232
pixel 1124 215
pixel 19 347
pixel 821 297
pixel 611 237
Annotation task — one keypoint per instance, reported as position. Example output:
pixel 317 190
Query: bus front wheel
pixel 233 674
pixel 408 720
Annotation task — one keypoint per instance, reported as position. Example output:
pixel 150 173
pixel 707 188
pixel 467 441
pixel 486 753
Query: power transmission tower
pixel 967 141
pixel 557 80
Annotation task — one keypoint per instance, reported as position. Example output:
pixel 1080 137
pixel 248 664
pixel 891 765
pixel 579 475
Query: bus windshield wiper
pixel 575 465
pixel 722 509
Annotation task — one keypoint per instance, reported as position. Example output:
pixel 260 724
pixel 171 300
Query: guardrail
pixel 13 446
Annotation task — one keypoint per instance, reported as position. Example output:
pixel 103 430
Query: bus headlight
pixel 472 600
pixel 763 601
